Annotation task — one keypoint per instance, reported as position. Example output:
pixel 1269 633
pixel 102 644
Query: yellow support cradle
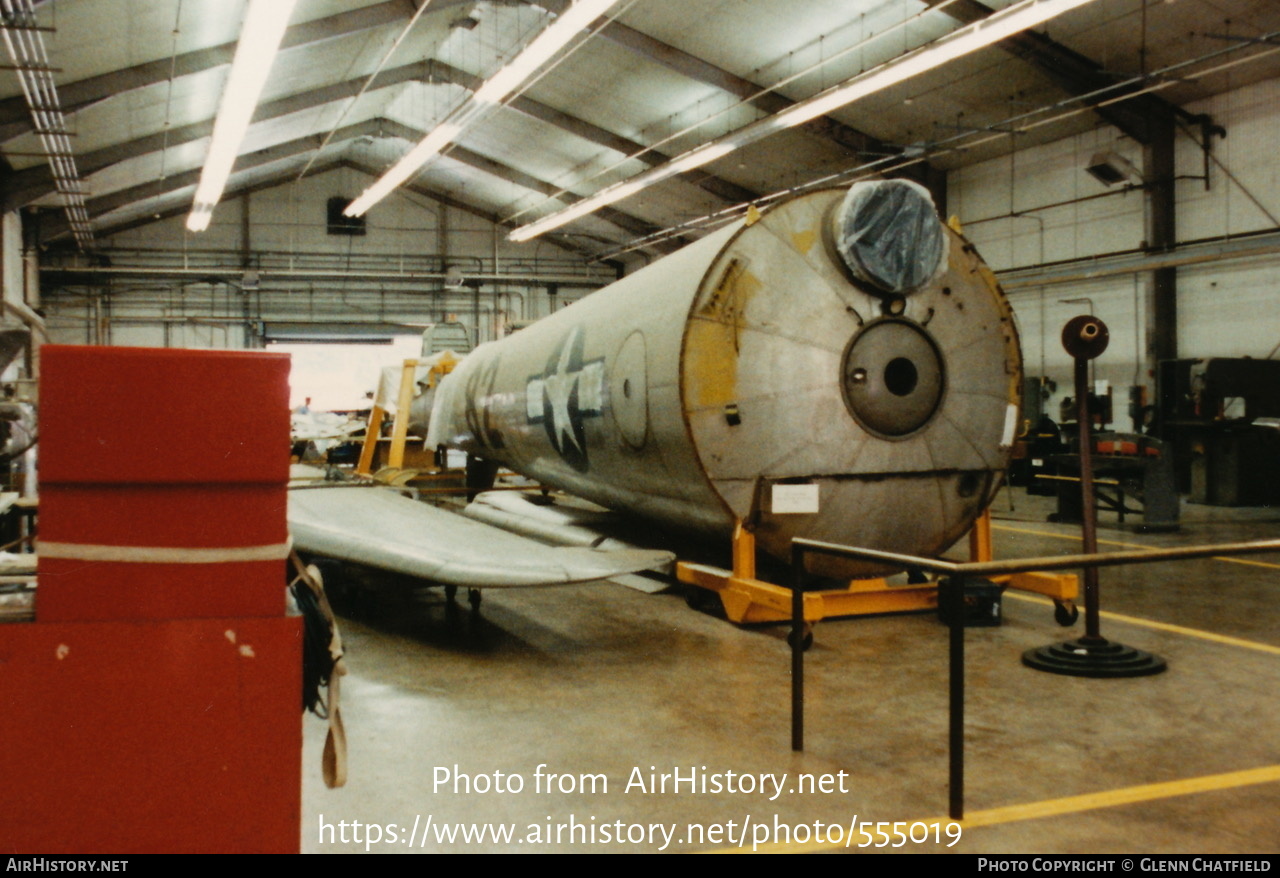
pixel 748 600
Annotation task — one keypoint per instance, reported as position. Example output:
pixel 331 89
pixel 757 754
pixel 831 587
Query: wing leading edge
pixel 380 528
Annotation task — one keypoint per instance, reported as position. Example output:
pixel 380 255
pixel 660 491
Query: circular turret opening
pixel 892 377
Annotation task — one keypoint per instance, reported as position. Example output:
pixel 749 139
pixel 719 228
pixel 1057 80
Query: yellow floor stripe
pixel 1110 798
pixel 1163 626
pixel 1076 537
pixel 1123 796
pixel 1062 536
pixel 1068 805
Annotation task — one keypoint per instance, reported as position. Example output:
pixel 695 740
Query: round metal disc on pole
pixel 1085 338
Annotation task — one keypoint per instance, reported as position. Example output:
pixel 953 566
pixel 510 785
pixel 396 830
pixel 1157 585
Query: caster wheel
pixel 704 602
pixel 1065 613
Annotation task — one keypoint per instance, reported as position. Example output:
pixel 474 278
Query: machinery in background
pixel 1039 439
pixel 1127 468
pixel 1044 444
pixel 1207 411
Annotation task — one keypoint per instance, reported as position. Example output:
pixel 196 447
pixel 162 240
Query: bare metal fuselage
pixel 753 358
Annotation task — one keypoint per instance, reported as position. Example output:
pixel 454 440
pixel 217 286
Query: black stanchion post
pixel 952 599
pixel 1085 338
pixel 797 648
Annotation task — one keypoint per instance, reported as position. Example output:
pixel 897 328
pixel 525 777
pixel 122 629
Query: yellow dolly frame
pixel 748 600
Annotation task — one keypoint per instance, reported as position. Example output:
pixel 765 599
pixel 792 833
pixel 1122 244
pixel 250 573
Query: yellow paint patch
pixel 1060 807
pixel 711 350
pixel 803 241
pixel 711 364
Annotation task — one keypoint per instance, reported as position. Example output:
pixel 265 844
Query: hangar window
pixel 340 224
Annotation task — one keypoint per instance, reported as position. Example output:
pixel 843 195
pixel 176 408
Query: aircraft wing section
pixel 562 524
pixel 381 528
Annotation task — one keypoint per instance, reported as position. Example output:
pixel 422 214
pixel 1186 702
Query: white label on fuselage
pixel 1010 426
pixel 793 499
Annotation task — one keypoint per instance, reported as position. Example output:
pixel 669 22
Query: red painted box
pixel 162 483
pixel 239 531
pixel 161 415
pixel 178 736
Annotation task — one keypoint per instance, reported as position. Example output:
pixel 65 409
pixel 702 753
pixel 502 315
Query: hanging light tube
pixel 956 44
pixel 543 48
pixel 26 48
pixel 260 36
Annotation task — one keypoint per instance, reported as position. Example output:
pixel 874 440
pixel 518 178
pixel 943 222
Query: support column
pixel 1162 237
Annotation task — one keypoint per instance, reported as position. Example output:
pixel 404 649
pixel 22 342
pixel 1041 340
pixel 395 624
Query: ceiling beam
pixel 55 225
pixel 707 73
pixel 625 221
pixel 289 174
pixel 439 195
pixel 723 189
pixel 693 67
pixel 74 96
pixel 51 231
pixel 285 175
pixel 845 137
pixel 1074 73
pixel 35 182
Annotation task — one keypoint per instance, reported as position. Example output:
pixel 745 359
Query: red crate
pixel 231 517
pixel 144 737
pixel 162 415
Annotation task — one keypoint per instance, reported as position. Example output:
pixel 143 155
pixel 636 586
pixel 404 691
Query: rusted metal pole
pixel 1085 338
pixel 797 648
pixel 1089 506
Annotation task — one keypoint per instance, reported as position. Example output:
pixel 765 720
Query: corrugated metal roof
pixel 141 81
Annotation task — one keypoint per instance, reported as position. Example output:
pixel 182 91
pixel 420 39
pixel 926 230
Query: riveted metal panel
pixel 551 401
pixel 762 378
pixel 684 391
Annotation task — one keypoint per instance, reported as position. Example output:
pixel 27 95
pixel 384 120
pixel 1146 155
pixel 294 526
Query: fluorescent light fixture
pixel 428 148
pixel 616 192
pixel 978 35
pixel 260 36
pixel 199 218
pixel 703 155
pixel 543 48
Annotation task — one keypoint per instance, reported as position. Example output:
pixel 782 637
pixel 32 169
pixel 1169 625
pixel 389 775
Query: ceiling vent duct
pixel 1108 168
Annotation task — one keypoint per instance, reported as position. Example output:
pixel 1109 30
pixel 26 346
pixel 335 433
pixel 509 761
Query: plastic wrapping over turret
pixel 889 236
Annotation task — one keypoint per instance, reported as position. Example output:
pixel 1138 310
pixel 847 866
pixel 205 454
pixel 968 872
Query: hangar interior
pixel 1109 158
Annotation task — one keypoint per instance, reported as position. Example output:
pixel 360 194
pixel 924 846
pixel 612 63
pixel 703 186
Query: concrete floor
pixel 603 680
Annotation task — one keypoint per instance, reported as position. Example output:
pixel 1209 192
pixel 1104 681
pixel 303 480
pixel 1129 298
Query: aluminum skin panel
pixel 777 321
pixel 588 400
pixel 379 528
pixel 685 391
